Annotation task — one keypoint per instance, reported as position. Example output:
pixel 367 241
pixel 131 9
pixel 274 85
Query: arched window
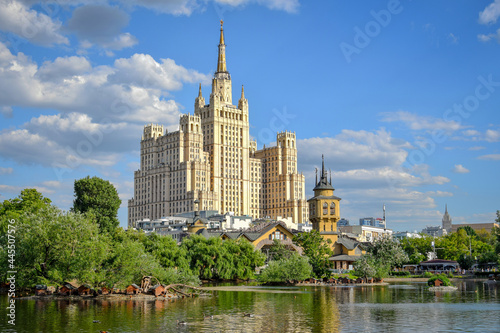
pixel 332 208
pixel 325 208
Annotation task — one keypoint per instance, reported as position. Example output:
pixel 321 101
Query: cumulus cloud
pixel 106 93
pixel 101 25
pixel 459 168
pixel 490 14
pixel 38 28
pixel 417 122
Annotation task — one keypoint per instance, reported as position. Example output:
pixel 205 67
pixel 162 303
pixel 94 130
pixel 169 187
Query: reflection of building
pixel 211 158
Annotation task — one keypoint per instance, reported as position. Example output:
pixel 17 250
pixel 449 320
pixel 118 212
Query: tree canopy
pixel 317 250
pixel 98 198
pixel 382 256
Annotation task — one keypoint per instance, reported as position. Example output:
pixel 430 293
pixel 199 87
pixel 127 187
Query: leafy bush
pixel 442 277
pixel 428 274
pixel 294 268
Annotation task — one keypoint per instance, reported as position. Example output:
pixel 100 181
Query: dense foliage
pixel 287 269
pixel 317 250
pixel 382 256
pixel 99 198
pixel 442 277
pixel 52 246
pixel 465 246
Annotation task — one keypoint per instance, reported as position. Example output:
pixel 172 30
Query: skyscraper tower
pixel 446 220
pixel 212 160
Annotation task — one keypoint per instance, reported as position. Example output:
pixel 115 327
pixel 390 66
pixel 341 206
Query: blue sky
pixel 402 97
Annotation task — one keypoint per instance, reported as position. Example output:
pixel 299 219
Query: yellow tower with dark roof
pixel 324 207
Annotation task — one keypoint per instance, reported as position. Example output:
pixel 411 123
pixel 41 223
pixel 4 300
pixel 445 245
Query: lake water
pixel 397 307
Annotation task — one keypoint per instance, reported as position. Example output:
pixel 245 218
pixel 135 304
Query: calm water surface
pixel 407 307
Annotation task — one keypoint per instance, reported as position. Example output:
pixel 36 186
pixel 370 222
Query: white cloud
pixel 417 122
pixel 486 38
pixel 492 136
pixel 440 194
pixel 142 70
pixel 477 148
pixel 459 168
pixel 27 23
pixel 6 171
pixel 490 14
pixel 101 25
pixel 106 93
pixel 474 135
pixel 490 157
pixel 471 132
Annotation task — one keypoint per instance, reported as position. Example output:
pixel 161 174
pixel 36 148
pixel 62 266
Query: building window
pixel 325 208
pixel 332 208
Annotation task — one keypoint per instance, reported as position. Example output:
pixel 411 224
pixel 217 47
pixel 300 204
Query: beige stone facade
pixel 212 159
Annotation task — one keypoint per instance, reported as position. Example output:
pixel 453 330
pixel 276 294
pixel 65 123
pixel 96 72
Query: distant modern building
pixel 371 221
pixel 367 221
pixel 342 222
pixel 434 231
pixel 405 234
pixel 364 233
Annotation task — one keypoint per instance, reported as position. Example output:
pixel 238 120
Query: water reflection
pixel 398 307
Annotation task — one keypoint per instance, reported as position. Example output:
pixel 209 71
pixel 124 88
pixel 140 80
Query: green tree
pixel 384 254
pixel 279 251
pixel 30 200
pixel 292 268
pixel 417 248
pixel 53 246
pixel 98 198
pixel 317 250
pixel 468 229
pixel 214 258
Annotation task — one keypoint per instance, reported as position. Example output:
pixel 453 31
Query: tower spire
pixel 221 65
pixel 322 165
pixel 199 92
pixel 242 92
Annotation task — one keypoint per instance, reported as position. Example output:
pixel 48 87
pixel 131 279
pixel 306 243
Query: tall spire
pixel 322 165
pixel 446 208
pixel 199 92
pixel 242 92
pixel 221 65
